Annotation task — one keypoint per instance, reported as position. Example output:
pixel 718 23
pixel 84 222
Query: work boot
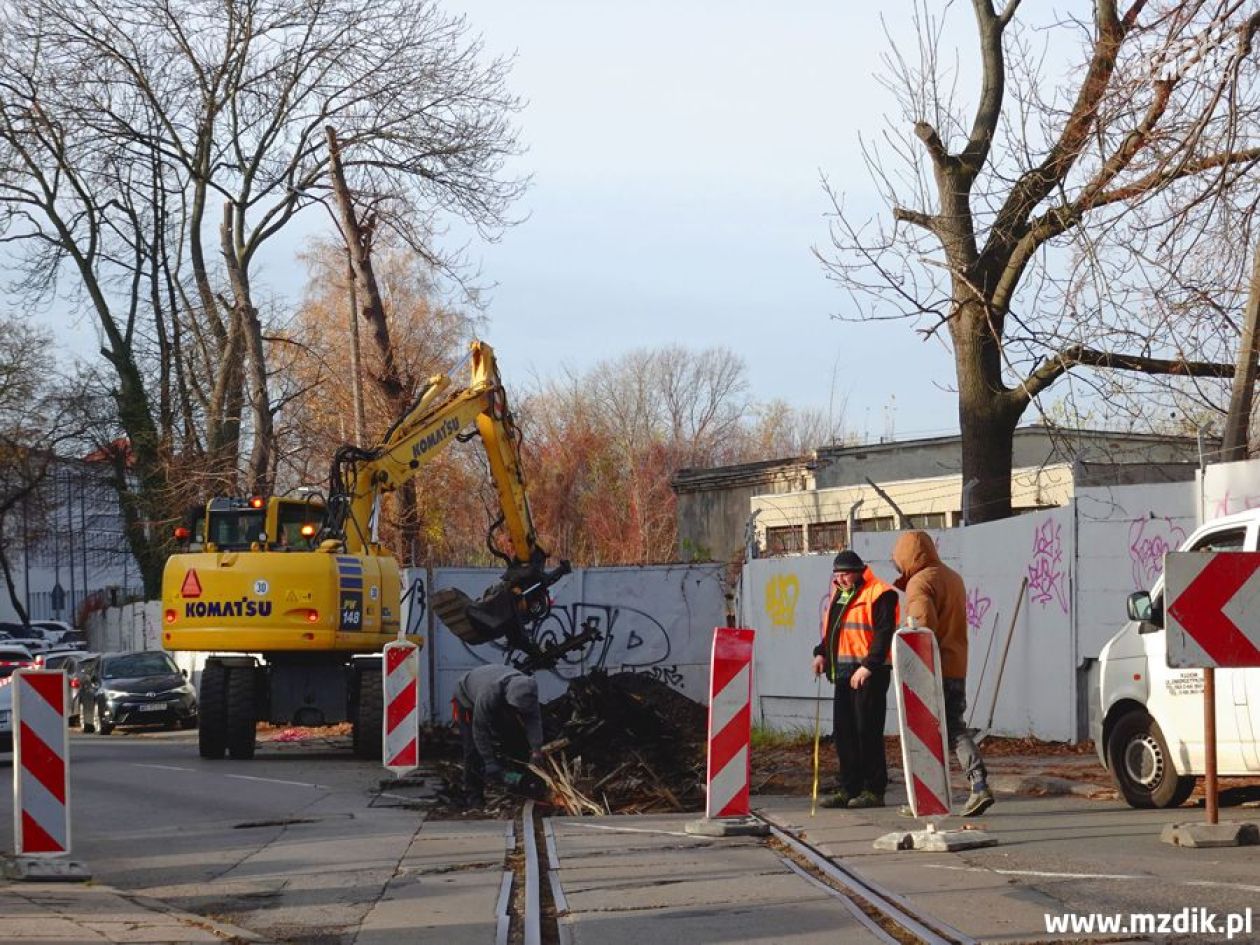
pixel 867 799
pixel 978 801
pixel 839 799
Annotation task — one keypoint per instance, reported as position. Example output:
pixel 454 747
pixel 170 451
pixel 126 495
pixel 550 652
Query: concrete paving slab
pixel 52 914
pixel 678 861
pixel 450 909
pixel 773 885
pixel 818 921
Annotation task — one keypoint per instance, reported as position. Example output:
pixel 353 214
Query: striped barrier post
pixel 730 722
pixel 921 716
pixel 41 787
pixel 401 723
pixel 730 732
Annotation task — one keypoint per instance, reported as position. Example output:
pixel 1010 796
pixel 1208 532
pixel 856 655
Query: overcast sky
pixel 676 151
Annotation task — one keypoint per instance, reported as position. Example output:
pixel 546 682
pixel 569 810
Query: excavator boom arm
pixel 437 421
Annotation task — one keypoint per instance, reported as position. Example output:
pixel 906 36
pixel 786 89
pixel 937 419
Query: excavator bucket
pixel 477 621
pixel 501 612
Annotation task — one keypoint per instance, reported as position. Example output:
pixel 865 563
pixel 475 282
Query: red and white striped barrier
pixel 41 786
pixel 401 725
pixel 921 715
pixel 730 722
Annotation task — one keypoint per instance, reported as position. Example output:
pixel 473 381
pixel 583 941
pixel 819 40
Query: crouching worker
pixel 500 726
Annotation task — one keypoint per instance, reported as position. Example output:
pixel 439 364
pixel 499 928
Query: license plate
pixel 152 707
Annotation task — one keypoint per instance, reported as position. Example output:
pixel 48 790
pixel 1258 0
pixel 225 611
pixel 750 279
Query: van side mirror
pixel 1139 606
pixel 1148 613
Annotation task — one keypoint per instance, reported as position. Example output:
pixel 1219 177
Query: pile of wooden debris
pixel 625 743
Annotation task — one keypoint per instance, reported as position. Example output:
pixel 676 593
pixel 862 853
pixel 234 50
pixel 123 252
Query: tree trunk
pixel 1238 420
pixel 987 413
pixel 372 308
pixel 259 474
pixel 988 438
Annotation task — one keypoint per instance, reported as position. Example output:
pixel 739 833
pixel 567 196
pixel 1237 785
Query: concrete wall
pixel 1123 534
pixel 1229 487
pixel 783 598
pixel 656 620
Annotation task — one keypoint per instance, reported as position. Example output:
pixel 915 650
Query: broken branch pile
pixel 625 743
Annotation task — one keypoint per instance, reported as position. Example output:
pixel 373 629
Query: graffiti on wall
pixel 782 591
pixel 1149 540
pixel 977 606
pixel 1228 504
pixel 1046 576
pixel 631 640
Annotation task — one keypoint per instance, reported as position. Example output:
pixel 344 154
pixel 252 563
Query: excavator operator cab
pixel 253 524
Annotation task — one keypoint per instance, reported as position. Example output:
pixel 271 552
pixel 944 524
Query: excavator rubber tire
pixel 242 712
pixel 212 709
pixel 371 714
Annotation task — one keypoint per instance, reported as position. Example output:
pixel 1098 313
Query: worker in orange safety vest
pixel 857 630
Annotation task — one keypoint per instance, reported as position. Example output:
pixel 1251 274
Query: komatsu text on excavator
pixel 296 597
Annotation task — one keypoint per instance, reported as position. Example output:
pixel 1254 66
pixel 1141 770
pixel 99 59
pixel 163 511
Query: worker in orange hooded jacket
pixel 937 598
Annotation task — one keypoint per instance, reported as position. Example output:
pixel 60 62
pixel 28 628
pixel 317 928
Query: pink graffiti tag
pixel 1228 504
pixel 1045 572
pixel 1149 540
pixel 977 606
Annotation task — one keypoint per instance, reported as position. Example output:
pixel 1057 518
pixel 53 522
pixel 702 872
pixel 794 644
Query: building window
pixel 928 520
pixel 826 536
pixel 879 523
pixel 784 540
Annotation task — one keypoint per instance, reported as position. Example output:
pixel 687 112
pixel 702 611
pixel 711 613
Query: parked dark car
pixel 143 688
pixel 72 663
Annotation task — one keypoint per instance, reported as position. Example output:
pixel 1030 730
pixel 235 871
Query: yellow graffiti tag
pixel 782 590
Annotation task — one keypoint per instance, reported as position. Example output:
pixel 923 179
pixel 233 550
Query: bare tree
pixel 149 154
pixel 1013 222
pixel 40 415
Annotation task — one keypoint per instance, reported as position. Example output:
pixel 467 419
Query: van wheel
pixel 1141 764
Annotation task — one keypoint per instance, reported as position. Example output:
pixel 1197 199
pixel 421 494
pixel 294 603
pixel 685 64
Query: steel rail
pixel 854 909
pixel 890 905
pixel 532 919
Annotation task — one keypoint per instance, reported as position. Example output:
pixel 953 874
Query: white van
pixel 1149 730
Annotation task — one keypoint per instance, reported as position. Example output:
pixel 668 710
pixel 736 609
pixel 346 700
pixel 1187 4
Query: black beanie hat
pixel 848 560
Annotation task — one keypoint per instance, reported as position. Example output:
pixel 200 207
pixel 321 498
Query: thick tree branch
pixel 1055 366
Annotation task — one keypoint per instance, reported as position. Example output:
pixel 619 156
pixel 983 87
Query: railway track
pixel 534 909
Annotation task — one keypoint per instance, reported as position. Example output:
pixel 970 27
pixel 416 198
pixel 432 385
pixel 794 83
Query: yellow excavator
pixel 296 597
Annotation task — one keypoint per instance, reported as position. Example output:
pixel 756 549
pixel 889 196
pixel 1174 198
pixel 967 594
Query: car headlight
pixel 115 694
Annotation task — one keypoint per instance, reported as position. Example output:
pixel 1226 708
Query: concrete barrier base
pixel 1210 835
pixel 938 841
pixel 728 827
pixel 33 869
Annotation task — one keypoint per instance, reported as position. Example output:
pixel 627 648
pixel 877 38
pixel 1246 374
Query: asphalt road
pixel 294 844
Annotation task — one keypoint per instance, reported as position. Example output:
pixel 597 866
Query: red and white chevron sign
pixel 1213 612
pixel 921 715
pixel 730 722
pixel 401 724
pixel 41 787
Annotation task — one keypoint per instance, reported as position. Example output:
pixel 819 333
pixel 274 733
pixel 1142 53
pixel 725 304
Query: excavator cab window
pixel 297 525
pixel 236 529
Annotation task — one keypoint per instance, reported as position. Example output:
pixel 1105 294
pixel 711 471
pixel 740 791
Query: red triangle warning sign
pixel 192 587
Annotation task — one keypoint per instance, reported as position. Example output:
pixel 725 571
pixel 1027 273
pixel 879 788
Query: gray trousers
pixel 960 740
